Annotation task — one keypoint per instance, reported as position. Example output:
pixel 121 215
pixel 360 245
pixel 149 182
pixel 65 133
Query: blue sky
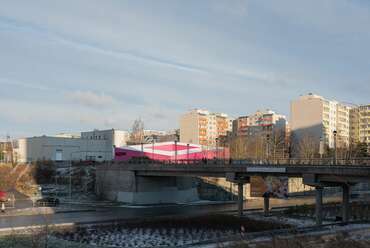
pixel 73 65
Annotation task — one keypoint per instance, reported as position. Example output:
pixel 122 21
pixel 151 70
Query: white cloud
pixel 91 99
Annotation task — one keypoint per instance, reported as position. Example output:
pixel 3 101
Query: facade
pixel 60 149
pixel 161 136
pixel 259 121
pixel 113 137
pixel 6 151
pixel 203 127
pixel 241 125
pixel 169 151
pixel 360 124
pixel 316 118
pixel 263 134
pixel 97 145
pixel 364 126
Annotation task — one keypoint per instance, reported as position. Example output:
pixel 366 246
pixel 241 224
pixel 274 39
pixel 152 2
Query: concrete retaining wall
pixel 126 187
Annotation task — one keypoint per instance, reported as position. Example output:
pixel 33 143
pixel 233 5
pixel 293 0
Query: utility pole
pixel 335 146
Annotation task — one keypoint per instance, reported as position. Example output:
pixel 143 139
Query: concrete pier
pixel 345 203
pixel 266 205
pixel 240 199
pixel 318 209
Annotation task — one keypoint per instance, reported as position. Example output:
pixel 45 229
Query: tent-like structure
pixel 169 151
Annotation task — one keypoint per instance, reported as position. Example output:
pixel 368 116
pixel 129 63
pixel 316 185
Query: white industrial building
pixel 97 145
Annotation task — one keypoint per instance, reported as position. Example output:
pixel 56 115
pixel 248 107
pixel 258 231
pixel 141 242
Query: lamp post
pixel 224 155
pixel 217 148
pixel 321 149
pixel 70 181
pixel 267 146
pixel 187 152
pixel 335 146
pixel 176 151
pixel 153 149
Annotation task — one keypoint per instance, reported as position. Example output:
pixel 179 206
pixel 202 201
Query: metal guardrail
pixel 285 162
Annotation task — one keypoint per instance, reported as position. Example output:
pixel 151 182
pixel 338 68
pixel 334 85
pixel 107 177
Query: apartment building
pixel 364 126
pixel 360 124
pixel 6 151
pixel 261 120
pixel 315 118
pixel 203 127
pixel 264 133
pixel 240 126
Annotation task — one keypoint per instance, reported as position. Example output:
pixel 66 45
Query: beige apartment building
pixel 264 129
pixel 360 124
pixel 203 127
pixel 315 118
pixel 260 122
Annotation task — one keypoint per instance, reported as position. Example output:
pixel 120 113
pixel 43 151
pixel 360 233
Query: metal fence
pixel 293 161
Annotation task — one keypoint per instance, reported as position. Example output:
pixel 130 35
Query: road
pixel 125 213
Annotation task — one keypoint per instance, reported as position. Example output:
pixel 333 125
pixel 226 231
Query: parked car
pixel 47 202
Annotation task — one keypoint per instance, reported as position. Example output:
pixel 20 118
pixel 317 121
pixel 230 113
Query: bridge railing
pixel 291 161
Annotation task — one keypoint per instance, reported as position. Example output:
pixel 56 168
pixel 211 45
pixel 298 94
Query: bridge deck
pixel 361 172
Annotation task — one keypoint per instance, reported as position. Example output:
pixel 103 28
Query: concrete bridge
pixel 315 173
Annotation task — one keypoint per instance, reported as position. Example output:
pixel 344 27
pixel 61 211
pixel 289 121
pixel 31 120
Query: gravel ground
pixel 166 232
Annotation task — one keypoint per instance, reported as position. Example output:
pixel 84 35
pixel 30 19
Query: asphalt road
pixel 122 213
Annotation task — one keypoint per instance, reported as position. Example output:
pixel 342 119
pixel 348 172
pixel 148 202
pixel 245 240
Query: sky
pixel 74 65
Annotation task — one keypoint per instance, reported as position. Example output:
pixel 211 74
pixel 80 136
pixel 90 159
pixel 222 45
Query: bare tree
pixel 277 144
pixel 137 132
pixel 306 146
pixel 238 147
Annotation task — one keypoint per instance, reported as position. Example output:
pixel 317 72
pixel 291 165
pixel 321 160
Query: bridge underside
pixel 147 184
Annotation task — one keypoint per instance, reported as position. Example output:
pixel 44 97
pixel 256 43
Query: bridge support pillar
pixel 345 203
pixel 318 209
pixel 266 205
pixel 233 177
pixel 240 199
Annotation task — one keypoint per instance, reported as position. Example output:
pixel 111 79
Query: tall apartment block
pixel 360 124
pixel 265 129
pixel 203 127
pixel 316 118
pixel 266 120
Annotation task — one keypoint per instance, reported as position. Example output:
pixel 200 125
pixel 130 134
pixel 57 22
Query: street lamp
pixel 267 146
pixel 321 148
pixel 217 139
pixel 142 149
pixel 335 146
pixel 187 151
pixel 224 150
pixel 176 151
pixel 153 149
